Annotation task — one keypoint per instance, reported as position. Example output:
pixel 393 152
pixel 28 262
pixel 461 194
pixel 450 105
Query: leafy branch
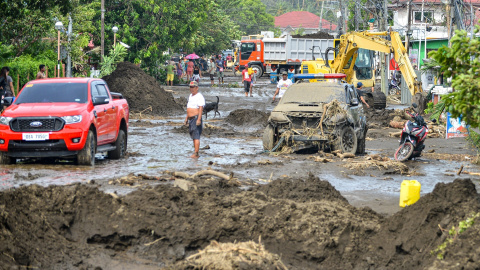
pixel 110 61
pixel 453 233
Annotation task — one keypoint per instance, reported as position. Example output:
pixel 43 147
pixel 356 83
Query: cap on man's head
pixel 359 84
pixel 284 73
pixel 246 65
pixel 193 84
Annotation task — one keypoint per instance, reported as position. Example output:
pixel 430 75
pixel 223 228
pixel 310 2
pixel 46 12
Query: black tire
pixel 404 152
pixel 121 146
pixel 346 142
pixel 86 156
pixel 258 69
pixel 6 160
pixel 268 138
pixel 361 144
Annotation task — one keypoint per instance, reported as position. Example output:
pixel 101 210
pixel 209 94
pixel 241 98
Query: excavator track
pixel 376 99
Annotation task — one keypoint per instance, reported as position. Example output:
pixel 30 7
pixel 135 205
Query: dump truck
pixel 265 54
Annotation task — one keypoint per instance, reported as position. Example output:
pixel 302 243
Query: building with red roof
pixel 310 22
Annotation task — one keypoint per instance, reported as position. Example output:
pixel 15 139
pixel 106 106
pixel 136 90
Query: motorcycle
pixel 412 138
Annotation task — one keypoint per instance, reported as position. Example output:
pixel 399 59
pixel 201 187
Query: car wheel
pixel 361 144
pixel 346 142
pixel 86 156
pixel 268 138
pixel 258 69
pixel 5 159
pixel 120 146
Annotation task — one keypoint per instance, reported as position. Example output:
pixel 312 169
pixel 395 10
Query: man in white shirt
pixel 195 105
pixel 282 85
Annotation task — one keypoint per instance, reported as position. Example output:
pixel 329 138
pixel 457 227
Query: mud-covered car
pixel 322 115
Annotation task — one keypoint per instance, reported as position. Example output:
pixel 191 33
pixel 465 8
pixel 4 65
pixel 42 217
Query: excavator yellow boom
pixel 346 54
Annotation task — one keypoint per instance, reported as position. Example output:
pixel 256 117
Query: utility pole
pixel 409 25
pixel 383 72
pixel 69 47
pixel 449 20
pixel 321 18
pixel 355 17
pixel 103 30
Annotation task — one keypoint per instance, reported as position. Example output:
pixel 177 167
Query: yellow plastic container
pixel 409 192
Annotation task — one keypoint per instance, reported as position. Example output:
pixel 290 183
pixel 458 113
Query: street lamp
pixel 59 27
pixel 115 30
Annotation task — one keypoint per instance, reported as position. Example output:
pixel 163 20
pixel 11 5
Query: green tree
pixel 151 27
pixel 215 35
pixel 461 63
pixel 250 15
pixel 24 23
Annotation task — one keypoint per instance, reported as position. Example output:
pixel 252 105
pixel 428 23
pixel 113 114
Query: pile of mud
pixel 142 91
pixel 320 35
pixel 380 117
pixel 307 223
pixel 244 117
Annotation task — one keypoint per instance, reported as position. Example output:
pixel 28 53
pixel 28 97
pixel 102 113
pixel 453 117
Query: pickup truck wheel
pixel 121 146
pixel 86 156
pixel 346 141
pixel 5 159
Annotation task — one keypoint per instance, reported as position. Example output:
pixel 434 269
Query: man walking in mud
pixel 282 86
pixel 211 70
pixel 195 105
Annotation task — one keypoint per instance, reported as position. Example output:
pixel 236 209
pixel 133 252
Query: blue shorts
pixel 194 130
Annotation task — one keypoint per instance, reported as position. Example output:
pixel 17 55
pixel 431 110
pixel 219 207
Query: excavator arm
pixel 375 41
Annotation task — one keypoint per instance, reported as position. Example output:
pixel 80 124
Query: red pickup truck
pixel 67 118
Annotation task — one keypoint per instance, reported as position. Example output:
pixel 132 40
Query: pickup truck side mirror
pixel 101 100
pixel 7 101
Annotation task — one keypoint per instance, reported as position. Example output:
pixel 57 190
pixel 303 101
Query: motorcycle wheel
pixel 404 151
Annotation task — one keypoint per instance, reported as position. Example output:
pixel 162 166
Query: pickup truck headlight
pixel 5 120
pixel 72 119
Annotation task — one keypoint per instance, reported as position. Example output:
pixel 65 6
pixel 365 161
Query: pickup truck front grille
pixel 29 124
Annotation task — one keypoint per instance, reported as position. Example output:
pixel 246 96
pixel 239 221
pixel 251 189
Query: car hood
pixel 293 107
pixel 45 109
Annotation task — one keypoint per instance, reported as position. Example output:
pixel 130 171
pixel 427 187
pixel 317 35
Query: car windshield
pixel 53 92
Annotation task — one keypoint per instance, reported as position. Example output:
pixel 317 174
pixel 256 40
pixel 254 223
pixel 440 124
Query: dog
pixel 211 106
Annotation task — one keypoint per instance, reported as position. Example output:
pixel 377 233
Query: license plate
pixel 35 136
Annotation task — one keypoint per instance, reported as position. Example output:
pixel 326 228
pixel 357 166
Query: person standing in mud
pixel 211 70
pixel 360 94
pixel 282 85
pixel 220 68
pixel 247 81
pixel 8 89
pixel 41 73
pixel 190 66
pixel 170 73
pixel 195 105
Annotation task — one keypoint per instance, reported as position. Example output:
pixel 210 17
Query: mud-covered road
pixel 234 145
pixel 305 211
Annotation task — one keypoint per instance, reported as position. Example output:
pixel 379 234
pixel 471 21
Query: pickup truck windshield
pixel 53 92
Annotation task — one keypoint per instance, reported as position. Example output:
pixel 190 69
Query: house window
pixel 427 16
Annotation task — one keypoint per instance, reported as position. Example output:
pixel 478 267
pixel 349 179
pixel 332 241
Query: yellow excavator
pixel 354 57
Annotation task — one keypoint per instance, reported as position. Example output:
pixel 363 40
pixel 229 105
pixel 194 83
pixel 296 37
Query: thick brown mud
pixel 301 221
pixel 304 221
pixel 143 92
